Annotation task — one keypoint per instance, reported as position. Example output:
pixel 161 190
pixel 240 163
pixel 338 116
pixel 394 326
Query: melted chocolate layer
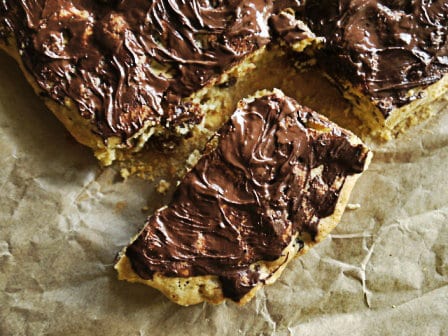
pixel 123 61
pixel 269 178
pixel 385 47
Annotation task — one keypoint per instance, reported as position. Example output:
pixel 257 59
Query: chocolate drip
pixel 269 178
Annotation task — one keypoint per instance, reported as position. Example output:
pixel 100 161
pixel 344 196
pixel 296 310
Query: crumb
pixel 119 206
pixel 163 186
pixel 353 206
pixel 193 158
pixel 125 173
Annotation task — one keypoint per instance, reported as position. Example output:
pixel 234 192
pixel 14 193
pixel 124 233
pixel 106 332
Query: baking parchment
pixel 383 271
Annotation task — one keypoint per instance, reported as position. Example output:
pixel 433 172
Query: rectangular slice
pixel 273 182
pixel 118 72
pixel 390 58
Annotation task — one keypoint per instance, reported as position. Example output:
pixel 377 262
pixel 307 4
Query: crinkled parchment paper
pixel 383 271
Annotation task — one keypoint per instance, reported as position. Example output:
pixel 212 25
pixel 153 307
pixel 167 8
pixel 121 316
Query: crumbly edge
pixel 401 118
pixel 265 70
pixel 217 103
pixel 197 289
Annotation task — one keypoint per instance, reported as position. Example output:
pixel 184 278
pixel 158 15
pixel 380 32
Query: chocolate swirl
pixel 123 61
pixel 385 47
pixel 269 178
pixel 126 63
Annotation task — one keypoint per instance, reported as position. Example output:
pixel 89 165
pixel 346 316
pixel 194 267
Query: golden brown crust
pixel 193 290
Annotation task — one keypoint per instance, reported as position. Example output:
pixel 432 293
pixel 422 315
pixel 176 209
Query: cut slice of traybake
pixel 389 58
pixel 117 73
pixel 273 182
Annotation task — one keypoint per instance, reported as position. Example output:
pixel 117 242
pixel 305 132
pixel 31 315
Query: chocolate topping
pixel 269 178
pixel 289 28
pixel 385 47
pixel 123 61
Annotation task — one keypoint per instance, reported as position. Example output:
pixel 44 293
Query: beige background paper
pixel 383 271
